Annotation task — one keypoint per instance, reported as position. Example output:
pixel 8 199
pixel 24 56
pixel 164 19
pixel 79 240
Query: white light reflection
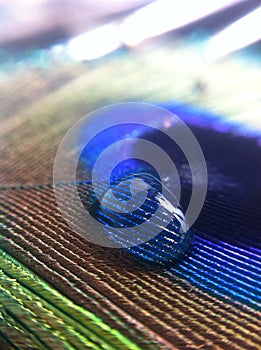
pixel 239 34
pixel 164 15
pixel 95 43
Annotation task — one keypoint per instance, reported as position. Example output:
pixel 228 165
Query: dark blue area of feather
pixel 225 259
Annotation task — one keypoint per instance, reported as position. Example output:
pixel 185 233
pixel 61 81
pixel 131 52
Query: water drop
pixel 155 231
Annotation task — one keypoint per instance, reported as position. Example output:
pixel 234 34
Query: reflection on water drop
pixel 155 230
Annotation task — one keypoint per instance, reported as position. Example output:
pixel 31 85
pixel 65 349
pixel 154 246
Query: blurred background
pixel 200 52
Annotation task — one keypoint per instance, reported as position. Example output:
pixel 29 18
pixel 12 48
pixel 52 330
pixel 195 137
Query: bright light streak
pixel 164 15
pixel 95 43
pixel 239 34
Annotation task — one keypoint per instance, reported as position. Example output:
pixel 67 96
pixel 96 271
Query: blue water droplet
pixel 164 239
